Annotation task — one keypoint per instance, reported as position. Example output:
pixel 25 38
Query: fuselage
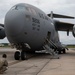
pixel 25 23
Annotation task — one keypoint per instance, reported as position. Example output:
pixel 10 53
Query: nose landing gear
pixel 21 55
pixel 17 55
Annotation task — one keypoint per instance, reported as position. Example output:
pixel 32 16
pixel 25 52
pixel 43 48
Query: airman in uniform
pixel 3 64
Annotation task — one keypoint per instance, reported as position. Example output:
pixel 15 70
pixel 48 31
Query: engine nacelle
pixel 73 32
pixel 2 32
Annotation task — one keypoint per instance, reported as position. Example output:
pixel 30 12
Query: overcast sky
pixel 66 7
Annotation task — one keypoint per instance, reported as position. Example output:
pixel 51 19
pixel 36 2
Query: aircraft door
pixel 48 35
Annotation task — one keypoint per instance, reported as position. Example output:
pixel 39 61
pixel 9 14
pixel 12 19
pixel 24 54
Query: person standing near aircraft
pixel 3 64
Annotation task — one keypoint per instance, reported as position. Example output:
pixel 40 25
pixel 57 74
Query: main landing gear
pixel 62 51
pixel 21 55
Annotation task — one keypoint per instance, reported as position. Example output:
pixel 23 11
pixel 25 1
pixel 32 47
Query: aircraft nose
pixel 13 23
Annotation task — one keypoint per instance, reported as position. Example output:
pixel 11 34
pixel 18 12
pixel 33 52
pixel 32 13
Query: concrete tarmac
pixel 40 64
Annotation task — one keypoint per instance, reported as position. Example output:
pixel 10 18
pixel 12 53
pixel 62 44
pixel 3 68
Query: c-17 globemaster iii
pixel 29 29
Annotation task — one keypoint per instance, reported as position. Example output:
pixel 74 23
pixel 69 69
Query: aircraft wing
pixel 63 26
pixel 53 15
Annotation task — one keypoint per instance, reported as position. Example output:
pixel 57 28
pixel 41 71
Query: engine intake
pixel 2 32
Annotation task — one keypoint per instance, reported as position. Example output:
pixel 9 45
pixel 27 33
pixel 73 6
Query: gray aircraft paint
pixel 19 29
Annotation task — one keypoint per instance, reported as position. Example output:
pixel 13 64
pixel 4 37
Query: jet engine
pixel 2 32
pixel 73 32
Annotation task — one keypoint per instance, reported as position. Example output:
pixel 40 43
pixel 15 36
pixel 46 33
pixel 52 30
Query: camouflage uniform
pixel 3 65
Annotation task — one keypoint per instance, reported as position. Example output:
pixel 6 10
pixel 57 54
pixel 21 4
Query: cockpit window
pixel 28 9
pixel 14 7
pixel 31 10
pixel 23 7
pixel 18 7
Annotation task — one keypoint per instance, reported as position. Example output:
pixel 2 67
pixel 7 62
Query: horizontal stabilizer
pixel 53 15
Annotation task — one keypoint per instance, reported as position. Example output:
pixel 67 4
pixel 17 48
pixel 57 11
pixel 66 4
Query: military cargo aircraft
pixel 29 29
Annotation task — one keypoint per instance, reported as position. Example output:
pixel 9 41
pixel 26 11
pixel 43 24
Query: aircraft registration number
pixel 35 20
